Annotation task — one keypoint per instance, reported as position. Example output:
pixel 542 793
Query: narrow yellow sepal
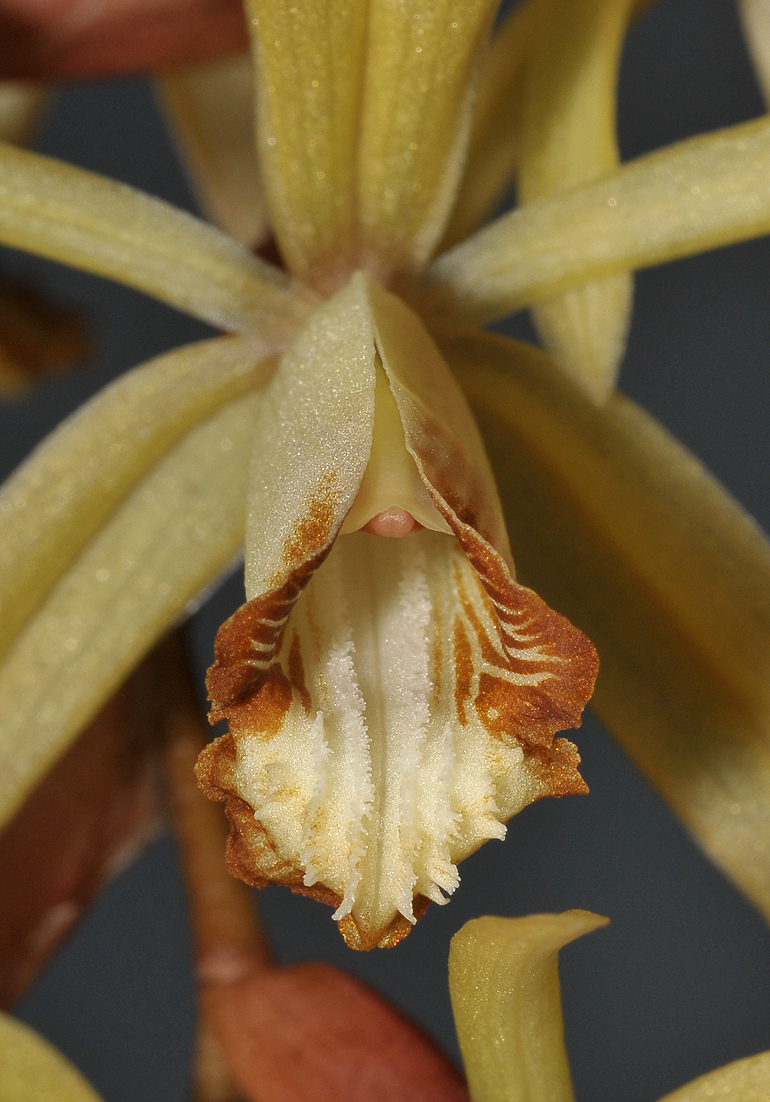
pixel 568 138
pixel 309 58
pixel 32 1070
pixel 211 109
pixel 624 531
pixel 745 1080
pixel 698 194
pixel 175 533
pixel 755 20
pixel 71 484
pixel 415 124
pixel 87 221
pixel 504 984
pixel 494 145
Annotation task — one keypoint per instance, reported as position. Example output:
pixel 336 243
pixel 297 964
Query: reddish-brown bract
pixel 55 39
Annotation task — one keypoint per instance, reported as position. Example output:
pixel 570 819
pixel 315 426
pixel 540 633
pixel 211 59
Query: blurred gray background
pixel 680 982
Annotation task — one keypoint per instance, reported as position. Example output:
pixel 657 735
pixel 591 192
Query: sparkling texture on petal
pixel 211 108
pixel 79 218
pixel 392 702
pixel 177 531
pixel 310 56
pixel 504 983
pixel 568 138
pixel 746 1080
pixel 695 195
pixel 421 64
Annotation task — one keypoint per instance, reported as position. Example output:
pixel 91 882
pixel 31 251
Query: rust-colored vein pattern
pixel 402 713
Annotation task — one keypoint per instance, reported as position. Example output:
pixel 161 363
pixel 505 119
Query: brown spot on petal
pixel 314 529
pixel 463 670
pixel 297 673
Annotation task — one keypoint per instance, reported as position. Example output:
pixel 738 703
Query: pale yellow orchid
pixel 391 710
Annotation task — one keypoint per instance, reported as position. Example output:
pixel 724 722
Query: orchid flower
pixel 393 700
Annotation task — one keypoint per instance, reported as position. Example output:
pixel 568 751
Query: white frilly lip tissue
pixel 391 702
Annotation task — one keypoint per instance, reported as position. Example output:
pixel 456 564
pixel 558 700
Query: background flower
pixel 547 863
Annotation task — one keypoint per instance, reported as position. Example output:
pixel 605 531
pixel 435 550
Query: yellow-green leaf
pixel 415 124
pixel 620 528
pixel 54 503
pixel 695 195
pixel 170 538
pixel 211 108
pixel 504 983
pixel 32 1070
pixel 89 222
pixel 309 58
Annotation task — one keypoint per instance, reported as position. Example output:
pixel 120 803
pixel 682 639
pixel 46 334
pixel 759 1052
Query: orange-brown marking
pixel 297 673
pixel 313 530
pixel 463 670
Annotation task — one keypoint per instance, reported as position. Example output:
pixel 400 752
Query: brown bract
pixel 311 1033
pixel 73 833
pixel 45 39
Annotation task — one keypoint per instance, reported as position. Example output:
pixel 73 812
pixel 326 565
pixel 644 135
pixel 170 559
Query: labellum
pixel 392 702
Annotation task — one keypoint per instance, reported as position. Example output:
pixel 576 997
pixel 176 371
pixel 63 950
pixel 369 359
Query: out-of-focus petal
pixel 55 502
pixel 421 63
pixel 310 56
pixel 745 1080
pixel 37 338
pixel 89 222
pixel 32 1070
pixel 493 147
pixel 623 530
pixel 391 722
pixel 175 533
pixel 20 105
pixel 707 191
pixel 55 39
pixel 568 138
pixel 755 19
pixel 311 1033
pixel 211 108
pixel 504 983
pixel 89 816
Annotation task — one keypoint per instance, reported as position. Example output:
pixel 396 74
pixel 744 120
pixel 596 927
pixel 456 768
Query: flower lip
pixel 391 702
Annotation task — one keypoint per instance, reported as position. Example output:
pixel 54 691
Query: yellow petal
pixel 175 533
pixel 55 502
pixel 504 983
pixel 32 1070
pixel 755 19
pixel 21 103
pixel 309 58
pixel 695 195
pixel 84 220
pixel 622 529
pixel 493 148
pixel 421 65
pixel 745 1080
pixel 568 138
pixel 211 108
pixel 392 702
